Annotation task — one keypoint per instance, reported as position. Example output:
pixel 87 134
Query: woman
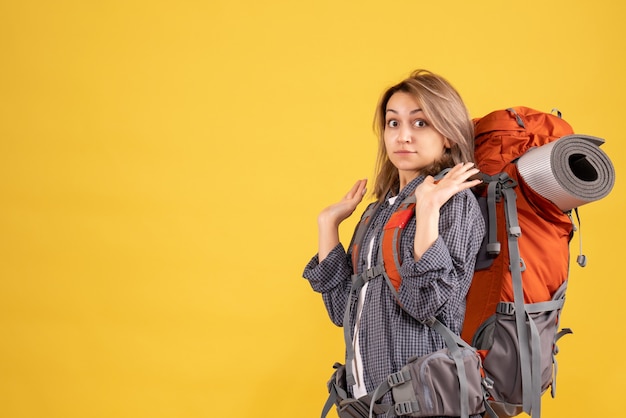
pixel 423 127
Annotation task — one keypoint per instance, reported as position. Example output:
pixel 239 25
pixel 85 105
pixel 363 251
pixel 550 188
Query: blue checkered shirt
pixel 435 285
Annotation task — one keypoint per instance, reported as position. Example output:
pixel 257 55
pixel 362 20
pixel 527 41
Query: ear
pixel 446 143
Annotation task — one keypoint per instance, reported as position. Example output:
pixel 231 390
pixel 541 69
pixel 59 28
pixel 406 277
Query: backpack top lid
pixel 504 135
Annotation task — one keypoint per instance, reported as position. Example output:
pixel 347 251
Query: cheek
pixel 387 140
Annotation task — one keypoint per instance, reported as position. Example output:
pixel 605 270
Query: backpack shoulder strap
pixel 359 233
pixel 389 252
pixel 389 257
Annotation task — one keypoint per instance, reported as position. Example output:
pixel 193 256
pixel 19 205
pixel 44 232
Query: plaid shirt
pixel 436 285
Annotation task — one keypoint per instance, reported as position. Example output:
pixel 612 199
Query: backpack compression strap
pixel 501 186
pixel 529 347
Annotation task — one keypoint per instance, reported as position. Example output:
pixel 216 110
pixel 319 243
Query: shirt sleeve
pixel 331 278
pixel 436 284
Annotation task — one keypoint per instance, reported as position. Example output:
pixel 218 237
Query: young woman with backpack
pixel 423 127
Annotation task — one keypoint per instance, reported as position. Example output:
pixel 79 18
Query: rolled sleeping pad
pixel 570 171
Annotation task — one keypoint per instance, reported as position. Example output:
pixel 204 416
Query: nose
pixel 405 135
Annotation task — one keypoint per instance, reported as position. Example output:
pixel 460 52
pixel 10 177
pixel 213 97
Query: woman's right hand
pixel 334 214
pixel 329 219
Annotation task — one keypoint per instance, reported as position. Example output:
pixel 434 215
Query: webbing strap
pixel 563 332
pixel 359 233
pixel 389 245
pixel 530 401
pixel 332 399
pixel 550 305
pixel 452 343
pixel 535 347
pixel 508 308
pixel 555 351
pixel 493 196
pixel 555 369
pixel 582 258
pixel 378 393
pixel 560 293
pixel 358 281
pixel 445 331
pixel 391 234
pixel 518 118
pixel 489 410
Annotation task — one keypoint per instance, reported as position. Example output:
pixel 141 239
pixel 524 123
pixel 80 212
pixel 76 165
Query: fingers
pixel 456 179
pixel 463 172
pixel 358 190
pixel 464 175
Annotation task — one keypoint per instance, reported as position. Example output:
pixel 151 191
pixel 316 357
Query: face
pixel 411 142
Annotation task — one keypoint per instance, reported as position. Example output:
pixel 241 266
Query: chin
pixel 402 166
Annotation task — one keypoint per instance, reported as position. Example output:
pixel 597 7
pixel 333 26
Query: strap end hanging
pixel 581 259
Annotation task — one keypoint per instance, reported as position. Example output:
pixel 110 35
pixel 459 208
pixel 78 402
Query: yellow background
pixel 162 164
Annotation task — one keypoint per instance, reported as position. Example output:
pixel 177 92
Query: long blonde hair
pixel 444 109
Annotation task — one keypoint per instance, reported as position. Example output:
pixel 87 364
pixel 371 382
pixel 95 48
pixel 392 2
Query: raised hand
pixel 329 219
pixel 430 196
pixel 434 193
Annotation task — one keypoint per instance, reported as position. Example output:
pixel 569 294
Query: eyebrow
pixel 412 112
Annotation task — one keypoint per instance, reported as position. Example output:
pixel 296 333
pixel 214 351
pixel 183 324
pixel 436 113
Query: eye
pixel 420 123
pixel 392 123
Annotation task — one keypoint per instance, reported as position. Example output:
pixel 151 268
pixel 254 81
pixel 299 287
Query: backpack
pixel 535 172
pixel 514 302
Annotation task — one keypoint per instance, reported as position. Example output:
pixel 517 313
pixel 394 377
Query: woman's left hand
pixel 430 197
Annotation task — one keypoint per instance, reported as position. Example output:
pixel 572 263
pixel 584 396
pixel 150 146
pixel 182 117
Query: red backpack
pixel 500 138
pixel 518 290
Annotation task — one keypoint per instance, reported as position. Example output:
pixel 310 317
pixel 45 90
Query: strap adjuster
pixel 367 275
pixel 396 379
pixel 373 272
pixel 493 248
pixel 522 265
pixel 505 308
pixel 405 408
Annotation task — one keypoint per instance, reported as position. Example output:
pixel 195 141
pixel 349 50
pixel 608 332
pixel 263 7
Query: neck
pixel 406 177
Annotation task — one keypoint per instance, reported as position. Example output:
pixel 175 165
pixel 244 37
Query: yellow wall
pixel 162 164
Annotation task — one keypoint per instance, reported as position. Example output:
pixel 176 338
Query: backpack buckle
pixel 367 275
pixel 374 272
pixel 506 182
pixel 487 383
pixel 505 308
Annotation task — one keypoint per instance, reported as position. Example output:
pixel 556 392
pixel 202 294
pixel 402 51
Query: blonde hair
pixel 444 109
